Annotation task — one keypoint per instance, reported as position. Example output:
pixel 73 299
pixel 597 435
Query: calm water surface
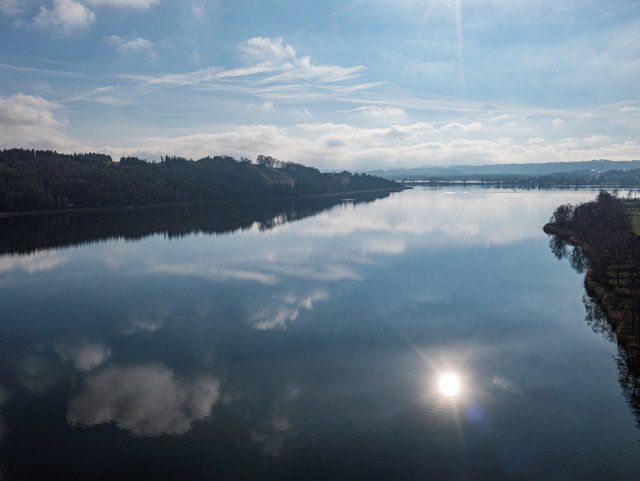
pixel 306 341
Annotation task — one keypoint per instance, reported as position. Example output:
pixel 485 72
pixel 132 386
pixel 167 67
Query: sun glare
pixel 449 384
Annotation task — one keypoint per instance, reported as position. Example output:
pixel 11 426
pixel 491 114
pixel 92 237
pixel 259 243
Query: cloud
pixel 69 15
pixel 21 109
pixel 145 400
pixel 303 69
pixel 269 106
pixel 270 61
pixel 84 356
pixel 386 114
pixel 459 127
pixel 340 146
pixel 264 49
pixel 124 46
pixel 65 16
pixel 383 247
pixel 558 123
pixel 598 140
pixel 11 8
pixel 136 4
pixel 31 121
pixel 102 95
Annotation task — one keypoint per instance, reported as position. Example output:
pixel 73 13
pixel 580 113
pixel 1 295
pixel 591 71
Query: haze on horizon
pixel 355 85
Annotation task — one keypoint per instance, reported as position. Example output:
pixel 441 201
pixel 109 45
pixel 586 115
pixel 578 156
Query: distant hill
pixel 593 166
pixel 34 180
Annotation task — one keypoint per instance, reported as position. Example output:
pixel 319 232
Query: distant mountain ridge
pixel 507 169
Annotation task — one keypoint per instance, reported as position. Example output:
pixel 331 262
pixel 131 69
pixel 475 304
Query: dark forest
pixel 34 180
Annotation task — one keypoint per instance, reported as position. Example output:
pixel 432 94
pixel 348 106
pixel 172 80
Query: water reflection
pixel 84 356
pixel 627 358
pixel 287 351
pixel 145 400
pixel 449 384
pixel 563 249
pixel 25 234
pixel 37 262
pixel 278 315
pixel 37 373
pixel 628 342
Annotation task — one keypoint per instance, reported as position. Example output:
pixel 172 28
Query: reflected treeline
pixel 627 358
pixel 563 249
pixel 29 233
pixel 596 237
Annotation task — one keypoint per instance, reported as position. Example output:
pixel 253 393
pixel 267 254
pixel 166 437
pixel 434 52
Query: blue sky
pixel 337 84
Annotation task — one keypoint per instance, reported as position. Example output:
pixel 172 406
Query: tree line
pixel 33 180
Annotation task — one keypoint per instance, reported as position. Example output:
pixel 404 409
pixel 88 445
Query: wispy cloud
pixel 270 61
pixel 11 8
pixel 106 95
pixel 136 4
pixel 134 45
pixel 40 71
pixel 386 114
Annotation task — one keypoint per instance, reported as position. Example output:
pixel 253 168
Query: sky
pixel 350 84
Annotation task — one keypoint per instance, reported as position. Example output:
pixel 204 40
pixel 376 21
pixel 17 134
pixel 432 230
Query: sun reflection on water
pixel 449 384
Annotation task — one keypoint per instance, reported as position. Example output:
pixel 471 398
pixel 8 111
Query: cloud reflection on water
pixel 277 316
pixel 84 356
pixel 146 400
pixel 473 218
pixel 36 262
pixel 288 272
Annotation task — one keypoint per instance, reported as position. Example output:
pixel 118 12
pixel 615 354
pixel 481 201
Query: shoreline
pixel 617 307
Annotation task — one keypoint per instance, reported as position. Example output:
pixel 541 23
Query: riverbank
pixel 604 239
pixel 618 303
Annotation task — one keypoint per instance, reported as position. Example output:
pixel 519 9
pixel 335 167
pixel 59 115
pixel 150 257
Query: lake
pixel 426 334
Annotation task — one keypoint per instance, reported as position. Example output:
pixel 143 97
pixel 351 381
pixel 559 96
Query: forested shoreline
pixel 36 180
pixel 607 248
